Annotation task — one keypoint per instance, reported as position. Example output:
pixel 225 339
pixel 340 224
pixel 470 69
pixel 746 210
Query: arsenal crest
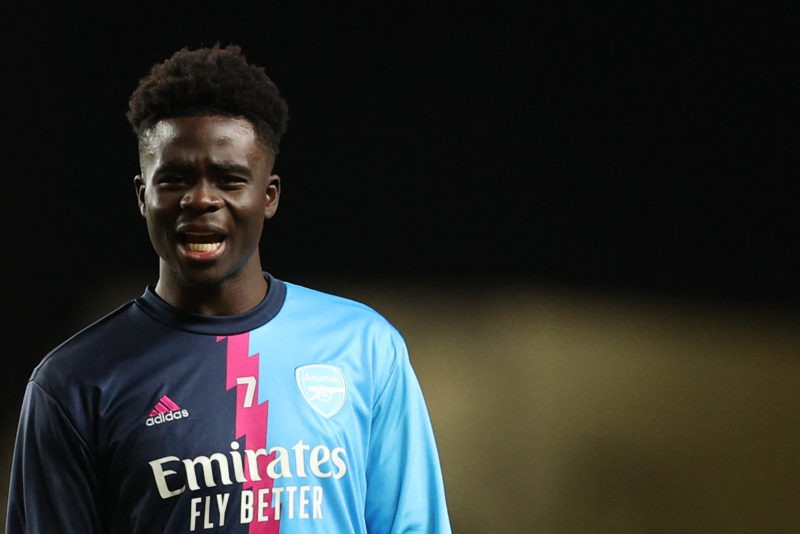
pixel 323 387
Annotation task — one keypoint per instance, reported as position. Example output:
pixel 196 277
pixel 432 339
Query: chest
pixel 211 413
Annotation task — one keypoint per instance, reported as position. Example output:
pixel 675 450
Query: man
pixel 223 398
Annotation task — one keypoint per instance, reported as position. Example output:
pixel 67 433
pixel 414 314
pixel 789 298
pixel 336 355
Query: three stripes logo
pixel 164 411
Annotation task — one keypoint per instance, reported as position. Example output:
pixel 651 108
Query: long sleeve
pixel 405 490
pixel 53 485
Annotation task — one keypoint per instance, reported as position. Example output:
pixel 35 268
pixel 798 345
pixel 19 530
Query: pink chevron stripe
pixel 251 422
pixel 169 403
pixel 164 405
pixel 159 408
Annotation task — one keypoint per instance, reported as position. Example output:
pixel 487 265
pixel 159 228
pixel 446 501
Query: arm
pixel 405 490
pixel 53 482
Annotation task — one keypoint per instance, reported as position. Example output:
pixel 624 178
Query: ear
pixel 138 183
pixel 273 196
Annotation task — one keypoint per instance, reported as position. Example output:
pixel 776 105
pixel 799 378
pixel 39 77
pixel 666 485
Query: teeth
pixel 203 247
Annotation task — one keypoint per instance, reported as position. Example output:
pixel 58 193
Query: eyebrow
pixel 223 166
pixel 228 166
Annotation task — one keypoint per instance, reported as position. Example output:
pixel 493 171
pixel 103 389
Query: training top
pixel 301 415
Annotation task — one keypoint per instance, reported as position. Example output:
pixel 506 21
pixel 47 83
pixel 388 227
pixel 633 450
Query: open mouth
pixel 202 241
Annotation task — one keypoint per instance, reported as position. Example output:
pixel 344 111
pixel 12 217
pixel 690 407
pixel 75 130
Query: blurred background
pixel 580 217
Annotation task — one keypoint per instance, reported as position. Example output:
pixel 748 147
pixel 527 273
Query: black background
pixel 647 149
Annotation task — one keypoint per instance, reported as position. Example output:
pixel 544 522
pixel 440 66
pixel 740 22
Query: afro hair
pixel 209 81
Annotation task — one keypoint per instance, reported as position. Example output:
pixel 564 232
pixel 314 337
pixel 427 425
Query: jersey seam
pixel 66 417
pixel 395 364
pixel 392 372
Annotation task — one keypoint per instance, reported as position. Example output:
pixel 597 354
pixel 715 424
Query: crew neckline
pixel 156 307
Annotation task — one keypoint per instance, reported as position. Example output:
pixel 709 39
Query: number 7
pixel 250 381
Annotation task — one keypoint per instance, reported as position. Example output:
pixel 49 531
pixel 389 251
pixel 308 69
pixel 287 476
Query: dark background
pixel 649 149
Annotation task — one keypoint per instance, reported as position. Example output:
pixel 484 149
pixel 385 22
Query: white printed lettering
pixel 195 513
pixel 304 501
pixel 263 504
pixel 222 505
pixel 316 497
pixel 299 458
pixel 252 462
pixel 276 502
pixel 246 509
pixel 319 456
pixel 236 456
pixel 290 490
pixel 160 474
pixel 281 460
pixel 339 462
pixel 207 524
pixel 208 473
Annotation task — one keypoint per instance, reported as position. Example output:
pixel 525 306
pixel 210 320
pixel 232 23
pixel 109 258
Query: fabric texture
pixel 301 415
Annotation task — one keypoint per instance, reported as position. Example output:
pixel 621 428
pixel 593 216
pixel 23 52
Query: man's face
pixel 206 188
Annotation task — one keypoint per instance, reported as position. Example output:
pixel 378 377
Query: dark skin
pixel 206 187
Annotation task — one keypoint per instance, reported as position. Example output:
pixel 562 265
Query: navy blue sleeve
pixel 54 485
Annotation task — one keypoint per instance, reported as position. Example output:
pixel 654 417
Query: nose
pixel 202 196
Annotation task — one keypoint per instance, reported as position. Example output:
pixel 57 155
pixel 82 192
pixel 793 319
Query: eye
pixel 232 180
pixel 171 179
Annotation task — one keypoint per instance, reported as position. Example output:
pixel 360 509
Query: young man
pixel 223 399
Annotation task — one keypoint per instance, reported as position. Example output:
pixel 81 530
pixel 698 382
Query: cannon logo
pixel 164 411
pixel 323 387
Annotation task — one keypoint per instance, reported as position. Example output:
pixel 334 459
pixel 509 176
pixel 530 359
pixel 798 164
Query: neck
pixel 232 296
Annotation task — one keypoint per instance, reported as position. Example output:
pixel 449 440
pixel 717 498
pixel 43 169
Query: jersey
pixel 301 415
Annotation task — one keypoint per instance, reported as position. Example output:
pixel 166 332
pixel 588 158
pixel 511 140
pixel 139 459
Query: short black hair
pixel 213 80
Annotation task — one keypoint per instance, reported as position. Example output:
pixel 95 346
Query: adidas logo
pixel 164 411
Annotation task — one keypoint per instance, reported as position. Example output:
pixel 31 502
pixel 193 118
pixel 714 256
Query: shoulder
pixel 344 326
pixel 338 320
pixel 321 305
pixel 83 353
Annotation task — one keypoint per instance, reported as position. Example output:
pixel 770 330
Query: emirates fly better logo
pixel 164 411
